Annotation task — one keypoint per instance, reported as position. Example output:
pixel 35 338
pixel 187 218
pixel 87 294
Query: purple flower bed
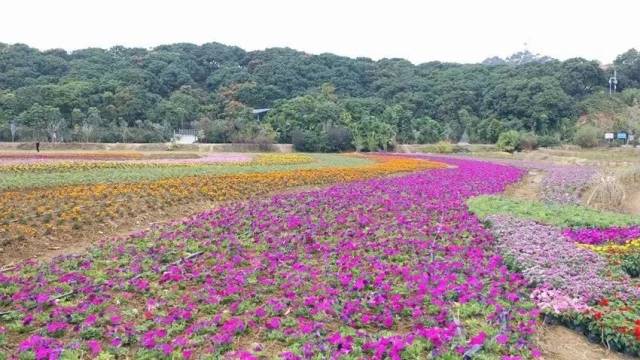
pixel 565 184
pixel 372 269
pixel 566 277
pixel 617 235
pixel 562 184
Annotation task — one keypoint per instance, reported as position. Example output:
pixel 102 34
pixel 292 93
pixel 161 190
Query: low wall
pixel 283 148
pixel 413 148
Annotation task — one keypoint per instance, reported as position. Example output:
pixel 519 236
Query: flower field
pixel 56 173
pixel 370 267
pixel 80 162
pixel 68 211
pixel 104 155
pixel 381 268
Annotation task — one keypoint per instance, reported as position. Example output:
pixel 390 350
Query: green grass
pixel 559 215
pixel 94 176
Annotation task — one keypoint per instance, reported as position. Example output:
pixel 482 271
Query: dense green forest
pixel 319 102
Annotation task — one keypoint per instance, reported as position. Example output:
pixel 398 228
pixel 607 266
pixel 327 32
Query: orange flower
pixel 75 207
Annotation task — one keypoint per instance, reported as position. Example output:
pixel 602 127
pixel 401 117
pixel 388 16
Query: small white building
pixel 185 136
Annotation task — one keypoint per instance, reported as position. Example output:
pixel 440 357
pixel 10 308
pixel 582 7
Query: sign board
pixel 608 136
pixel 621 136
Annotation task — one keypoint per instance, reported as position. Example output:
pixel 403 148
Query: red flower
pixel 598 315
pixel 603 302
pixel 636 332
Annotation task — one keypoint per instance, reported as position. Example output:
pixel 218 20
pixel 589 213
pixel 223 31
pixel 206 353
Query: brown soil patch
pixel 633 202
pixel 559 343
pixel 528 188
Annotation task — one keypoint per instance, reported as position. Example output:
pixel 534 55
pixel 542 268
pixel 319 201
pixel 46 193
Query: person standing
pixel 37 146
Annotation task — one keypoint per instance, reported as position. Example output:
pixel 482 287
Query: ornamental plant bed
pixel 382 268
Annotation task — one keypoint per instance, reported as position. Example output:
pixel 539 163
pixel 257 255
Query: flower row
pixel 63 211
pixel 54 165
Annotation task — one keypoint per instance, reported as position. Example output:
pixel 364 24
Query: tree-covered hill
pixel 321 102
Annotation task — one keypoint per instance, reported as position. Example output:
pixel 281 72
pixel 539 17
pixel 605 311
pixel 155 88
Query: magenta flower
pixel 399 253
pixel 478 339
pixel 56 326
pixel 94 347
pixel 273 323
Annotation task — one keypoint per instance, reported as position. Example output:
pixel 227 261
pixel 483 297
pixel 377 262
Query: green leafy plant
pixel 587 136
pixel 631 264
pixel 509 141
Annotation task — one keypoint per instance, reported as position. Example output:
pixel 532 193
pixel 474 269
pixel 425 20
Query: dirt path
pixel 559 343
pixel 528 188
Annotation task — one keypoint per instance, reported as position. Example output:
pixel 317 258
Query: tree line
pixel 318 102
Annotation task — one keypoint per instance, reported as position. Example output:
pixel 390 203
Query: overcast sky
pixel 421 30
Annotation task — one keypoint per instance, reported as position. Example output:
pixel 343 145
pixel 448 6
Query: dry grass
pixel 607 193
pixel 614 189
pixel 631 176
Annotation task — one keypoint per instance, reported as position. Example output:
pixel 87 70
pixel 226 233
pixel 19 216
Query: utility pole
pixel 613 82
pixel 13 131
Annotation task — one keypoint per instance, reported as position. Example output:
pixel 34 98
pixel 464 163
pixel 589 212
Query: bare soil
pixel 528 188
pixel 559 343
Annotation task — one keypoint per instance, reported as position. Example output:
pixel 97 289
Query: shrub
pixel 587 136
pixel 338 138
pixel 631 264
pixel 509 141
pixel 304 140
pixel 528 141
pixel 548 141
pixel 441 147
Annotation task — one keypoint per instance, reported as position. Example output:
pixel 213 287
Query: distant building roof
pixel 260 111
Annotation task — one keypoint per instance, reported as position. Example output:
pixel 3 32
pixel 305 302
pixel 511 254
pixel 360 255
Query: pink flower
pixel 273 323
pixel 293 222
pixel 56 326
pixel 94 347
pixel 387 320
pixel 90 320
pixel 305 326
pixel 260 312
pixel 42 298
pixel 478 339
